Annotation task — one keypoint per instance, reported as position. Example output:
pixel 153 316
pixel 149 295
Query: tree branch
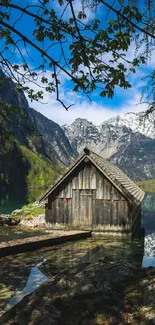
pixel 127 19
pixel 44 53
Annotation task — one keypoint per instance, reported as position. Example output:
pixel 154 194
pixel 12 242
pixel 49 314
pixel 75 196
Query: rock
pixel 39 221
pixel 77 298
pixel 87 289
pixel 17 211
pixel 8 220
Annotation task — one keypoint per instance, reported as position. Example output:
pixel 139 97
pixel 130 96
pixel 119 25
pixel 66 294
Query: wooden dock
pixel 33 243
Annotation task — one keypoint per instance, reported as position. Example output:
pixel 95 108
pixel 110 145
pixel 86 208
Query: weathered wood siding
pixel 87 199
pixel 82 207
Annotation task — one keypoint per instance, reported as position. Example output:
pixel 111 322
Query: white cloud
pixel 83 108
pixel 93 111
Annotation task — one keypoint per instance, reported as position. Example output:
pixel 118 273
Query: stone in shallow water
pixel 77 295
pixel 87 289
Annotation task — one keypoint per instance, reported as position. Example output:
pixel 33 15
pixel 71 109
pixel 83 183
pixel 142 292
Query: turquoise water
pixel 18 199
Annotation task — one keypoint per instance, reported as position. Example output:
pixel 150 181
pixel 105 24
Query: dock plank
pixel 32 243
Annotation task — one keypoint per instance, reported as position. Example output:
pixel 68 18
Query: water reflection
pixel 35 279
pixel 148 213
pixel 148 223
pixel 148 261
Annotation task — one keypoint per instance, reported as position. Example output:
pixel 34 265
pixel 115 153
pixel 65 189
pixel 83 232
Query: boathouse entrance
pixel 82 207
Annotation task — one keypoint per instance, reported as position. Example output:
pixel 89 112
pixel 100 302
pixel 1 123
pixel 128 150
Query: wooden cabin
pixel 95 195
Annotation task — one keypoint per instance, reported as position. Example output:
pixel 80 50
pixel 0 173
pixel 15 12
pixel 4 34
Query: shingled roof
pixel 115 175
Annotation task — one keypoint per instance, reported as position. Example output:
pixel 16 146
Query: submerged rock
pixel 78 297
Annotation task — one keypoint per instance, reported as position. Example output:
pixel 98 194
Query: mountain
pixel 55 144
pixel 28 158
pixel 125 140
pixel 49 140
pixel 137 122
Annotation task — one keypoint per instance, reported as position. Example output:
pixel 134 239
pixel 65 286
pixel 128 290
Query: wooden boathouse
pixel 94 195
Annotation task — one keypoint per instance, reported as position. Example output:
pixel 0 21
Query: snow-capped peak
pixel 137 122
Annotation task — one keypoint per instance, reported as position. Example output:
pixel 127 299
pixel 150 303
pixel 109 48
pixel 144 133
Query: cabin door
pixel 82 210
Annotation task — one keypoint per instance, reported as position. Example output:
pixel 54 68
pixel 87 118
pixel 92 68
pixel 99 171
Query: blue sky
pixel 97 110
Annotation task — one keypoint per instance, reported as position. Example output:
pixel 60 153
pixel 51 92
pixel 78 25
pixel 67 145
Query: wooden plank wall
pixel 82 207
pixel 109 212
pixel 108 206
pixel 60 211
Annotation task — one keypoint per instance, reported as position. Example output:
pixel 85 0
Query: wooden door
pixel 82 207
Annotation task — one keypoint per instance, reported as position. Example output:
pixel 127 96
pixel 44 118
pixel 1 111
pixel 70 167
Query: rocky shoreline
pixel 11 220
pixel 106 292
pixel 31 216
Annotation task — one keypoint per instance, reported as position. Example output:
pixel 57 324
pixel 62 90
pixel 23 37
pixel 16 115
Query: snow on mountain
pixel 137 122
pixel 127 140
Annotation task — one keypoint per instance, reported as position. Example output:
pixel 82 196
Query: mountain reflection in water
pixel 148 223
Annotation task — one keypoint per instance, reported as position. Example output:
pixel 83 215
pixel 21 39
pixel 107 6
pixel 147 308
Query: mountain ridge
pixel 126 140
pixel 49 143
pixel 28 158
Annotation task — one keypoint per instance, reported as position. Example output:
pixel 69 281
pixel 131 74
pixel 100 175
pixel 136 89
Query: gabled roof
pixel 114 174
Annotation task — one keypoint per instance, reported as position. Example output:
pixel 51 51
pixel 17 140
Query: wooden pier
pixel 33 243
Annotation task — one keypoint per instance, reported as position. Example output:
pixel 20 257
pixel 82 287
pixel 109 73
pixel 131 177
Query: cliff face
pixel 49 138
pixel 55 144
pixel 24 153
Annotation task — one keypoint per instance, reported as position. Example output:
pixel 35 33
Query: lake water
pixel 18 199
pixel 23 273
